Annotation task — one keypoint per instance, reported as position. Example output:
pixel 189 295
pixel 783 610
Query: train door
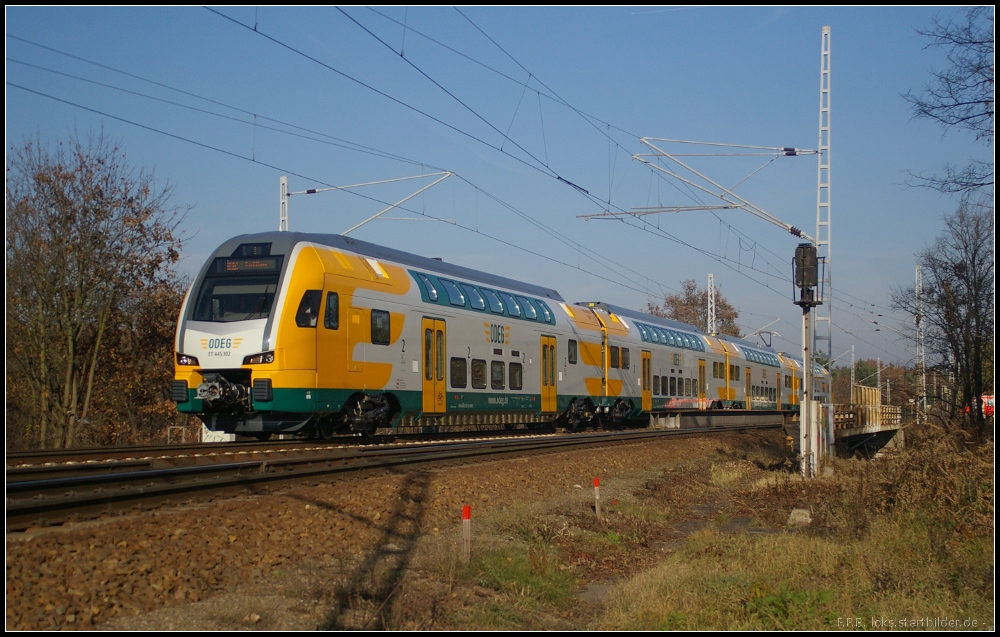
pixel 331 340
pixel 356 334
pixel 647 381
pixel 777 391
pixel 434 359
pixel 749 388
pixel 701 384
pixel 549 387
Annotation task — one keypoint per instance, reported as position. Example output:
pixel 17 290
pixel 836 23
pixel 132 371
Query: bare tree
pixel 961 95
pixel 88 237
pixel 691 306
pixel 958 315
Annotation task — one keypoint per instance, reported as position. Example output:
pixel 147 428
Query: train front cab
pixel 320 347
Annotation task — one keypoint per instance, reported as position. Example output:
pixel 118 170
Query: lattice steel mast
pixel 823 335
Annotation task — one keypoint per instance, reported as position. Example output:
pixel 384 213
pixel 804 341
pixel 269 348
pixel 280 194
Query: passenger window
pixel 380 327
pixel 546 313
pixel 673 386
pixel 432 292
pixel 496 306
pixel 516 376
pixel 308 313
pixel 512 307
pixel 455 296
pixel 428 352
pixel 475 298
pixel 459 377
pixel 571 351
pixel 331 320
pixel 626 358
pixel 529 309
pixel 478 373
pixel 496 375
pixel 656 385
pixel 614 356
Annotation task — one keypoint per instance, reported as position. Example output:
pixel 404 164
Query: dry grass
pixel 703 544
pixel 895 541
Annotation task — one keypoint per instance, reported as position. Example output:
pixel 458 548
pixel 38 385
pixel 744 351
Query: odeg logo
pixel 219 346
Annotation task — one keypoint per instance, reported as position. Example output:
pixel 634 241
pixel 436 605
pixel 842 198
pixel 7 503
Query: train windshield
pixel 223 299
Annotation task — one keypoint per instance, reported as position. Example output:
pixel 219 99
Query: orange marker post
pixel 466 533
pixel 597 496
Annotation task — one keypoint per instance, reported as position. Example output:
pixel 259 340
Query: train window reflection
pixel 227 299
pixel 497 374
pixel 475 298
pixel 512 307
pixel 459 375
pixel 331 320
pixel 432 292
pixel 516 376
pixel 455 295
pixel 308 312
pixel 380 327
pixel 478 373
pixel 529 309
pixel 545 311
pixel 496 306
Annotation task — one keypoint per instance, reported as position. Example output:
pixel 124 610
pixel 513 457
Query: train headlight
pixel 259 359
pixel 184 359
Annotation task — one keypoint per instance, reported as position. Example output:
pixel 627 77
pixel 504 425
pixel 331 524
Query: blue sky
pixel 517 102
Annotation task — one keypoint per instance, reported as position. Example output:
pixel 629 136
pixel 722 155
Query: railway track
pixel 48 458
pixel 57 493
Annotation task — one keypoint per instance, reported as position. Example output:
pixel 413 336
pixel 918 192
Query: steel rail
pixel 64 499
pixel 91 455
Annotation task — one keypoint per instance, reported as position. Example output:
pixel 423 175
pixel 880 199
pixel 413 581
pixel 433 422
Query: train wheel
pixel 367 430
pixel 366 413
pixel 620 413
pixel 326 428
pixel 578 415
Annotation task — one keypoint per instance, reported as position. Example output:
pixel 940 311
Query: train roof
pixel 642 316
pixel 745 343
pixel 284 242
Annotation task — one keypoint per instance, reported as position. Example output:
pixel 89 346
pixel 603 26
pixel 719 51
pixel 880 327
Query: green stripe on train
pixel 308 400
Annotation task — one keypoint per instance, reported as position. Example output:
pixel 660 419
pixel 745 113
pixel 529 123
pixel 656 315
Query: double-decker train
pixel 321 334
